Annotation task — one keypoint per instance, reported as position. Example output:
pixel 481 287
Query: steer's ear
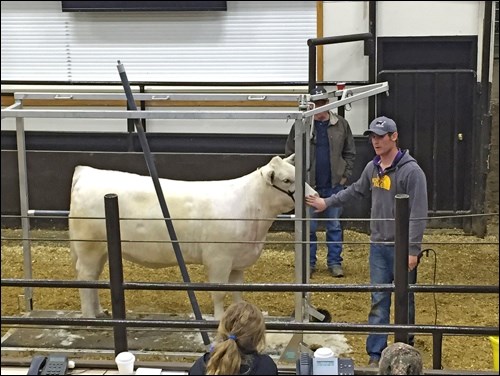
pixel 290 159
pixel 268 173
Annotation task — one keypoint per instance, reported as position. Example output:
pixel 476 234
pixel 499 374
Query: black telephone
pixel 306 364
pixel 51 365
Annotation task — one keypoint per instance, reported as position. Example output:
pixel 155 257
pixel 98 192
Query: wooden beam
pixel 319 34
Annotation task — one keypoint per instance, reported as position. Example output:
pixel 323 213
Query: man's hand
pixel 412 262
pixel 316 202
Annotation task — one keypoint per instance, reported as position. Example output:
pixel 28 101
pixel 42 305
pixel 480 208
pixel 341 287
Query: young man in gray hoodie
pixel 392 171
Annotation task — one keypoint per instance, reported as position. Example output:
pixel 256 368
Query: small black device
pixel 308 365
pixel 51 365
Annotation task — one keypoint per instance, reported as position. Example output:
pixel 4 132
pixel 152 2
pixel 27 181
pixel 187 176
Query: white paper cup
pixel 309 191
pixel 125 362
pixel 323 352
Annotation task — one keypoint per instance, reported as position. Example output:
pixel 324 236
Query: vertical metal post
pixel 312 66
pixel 372 69
pixel 341 111
pixel 301 249
pixel 24 202
pixel 437 350
pixel 301 224
pixel 402 242
pixel 483 126
pixel 115 270
pixel 161 198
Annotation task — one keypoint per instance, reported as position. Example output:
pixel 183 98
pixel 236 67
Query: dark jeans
pixel 382 271
pixel 333 230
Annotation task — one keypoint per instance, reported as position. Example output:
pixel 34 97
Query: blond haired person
pixel 240 338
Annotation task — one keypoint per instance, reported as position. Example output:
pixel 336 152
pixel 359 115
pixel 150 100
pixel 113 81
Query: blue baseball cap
pixel 318 90
pixel 381 126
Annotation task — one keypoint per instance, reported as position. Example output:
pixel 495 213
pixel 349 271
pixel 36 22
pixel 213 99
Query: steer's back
pixel 145 237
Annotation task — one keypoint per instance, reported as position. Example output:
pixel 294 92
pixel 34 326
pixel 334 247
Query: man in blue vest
pixel 332 161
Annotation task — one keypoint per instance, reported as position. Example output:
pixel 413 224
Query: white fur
pixel 243 201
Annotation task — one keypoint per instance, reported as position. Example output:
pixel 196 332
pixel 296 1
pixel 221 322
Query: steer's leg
pixel 89 266
pixel 236 276
pixel 218 272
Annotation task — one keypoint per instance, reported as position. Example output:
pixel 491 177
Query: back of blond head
pixel 241 329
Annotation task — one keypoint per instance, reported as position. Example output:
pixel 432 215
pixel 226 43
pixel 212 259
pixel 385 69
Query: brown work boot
pixel 312 270
pixel 373 362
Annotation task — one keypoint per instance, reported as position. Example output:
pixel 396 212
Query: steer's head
pixel 280 174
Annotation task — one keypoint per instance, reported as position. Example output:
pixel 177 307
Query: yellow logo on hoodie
pixel 383 182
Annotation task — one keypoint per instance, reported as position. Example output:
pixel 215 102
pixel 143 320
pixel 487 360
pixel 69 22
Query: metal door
pixel 432 82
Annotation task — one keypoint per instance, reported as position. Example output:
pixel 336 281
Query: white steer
pixel 240 203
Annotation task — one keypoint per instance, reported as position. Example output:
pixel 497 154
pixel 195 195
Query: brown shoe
pixel 373 362
pixel 311 271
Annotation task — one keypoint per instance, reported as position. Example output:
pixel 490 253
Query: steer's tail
pixel 76 177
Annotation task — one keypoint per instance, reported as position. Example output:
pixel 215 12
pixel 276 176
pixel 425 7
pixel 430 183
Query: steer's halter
pixel 288 193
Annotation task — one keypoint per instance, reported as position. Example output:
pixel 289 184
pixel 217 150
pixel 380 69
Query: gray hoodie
pixel 405 176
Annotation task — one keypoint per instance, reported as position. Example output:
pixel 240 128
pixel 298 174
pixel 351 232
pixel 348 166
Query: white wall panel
pixel 346 61
pixel 251 41
pixel 427 18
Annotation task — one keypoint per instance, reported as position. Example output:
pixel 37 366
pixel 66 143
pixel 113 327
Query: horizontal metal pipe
pixel 269 287
pixel 289 242
pixel 441 215
pixel 289 326
pixel 160 97
pixel 65 213
pixel 168 83
pixel 339 39
pixel 150 114
pixel 48 213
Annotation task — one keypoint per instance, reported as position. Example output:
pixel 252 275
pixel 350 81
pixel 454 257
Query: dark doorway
pixel 432 84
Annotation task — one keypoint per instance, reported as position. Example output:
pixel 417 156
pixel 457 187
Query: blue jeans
pixel 333 230
pixel 382 271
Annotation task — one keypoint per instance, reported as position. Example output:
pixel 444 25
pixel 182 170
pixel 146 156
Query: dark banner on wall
pixel 140 6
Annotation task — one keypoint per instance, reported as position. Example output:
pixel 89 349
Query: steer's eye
pixel 287 181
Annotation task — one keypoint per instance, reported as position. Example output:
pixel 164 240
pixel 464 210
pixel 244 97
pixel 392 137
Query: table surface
pixel 80 371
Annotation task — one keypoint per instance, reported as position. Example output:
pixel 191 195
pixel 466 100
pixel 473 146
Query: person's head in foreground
pixel 241 331
pixel 400 359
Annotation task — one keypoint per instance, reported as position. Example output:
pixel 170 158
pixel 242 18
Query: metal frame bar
pixel 160 96
pixel 19 113
pixel 24 207
pixel 353 94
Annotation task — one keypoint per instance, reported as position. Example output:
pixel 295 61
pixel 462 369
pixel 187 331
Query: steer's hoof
pixel 103 314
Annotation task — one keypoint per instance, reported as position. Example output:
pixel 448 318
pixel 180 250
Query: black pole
pixel 484 124
pixel 341 111
pixel 312 67
pixel 313 42
pixel 372 69
pixel 306 261
pixel 115 270
pixel 437 350
pixel 339 39
pixel 161 198
pixel 401 288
